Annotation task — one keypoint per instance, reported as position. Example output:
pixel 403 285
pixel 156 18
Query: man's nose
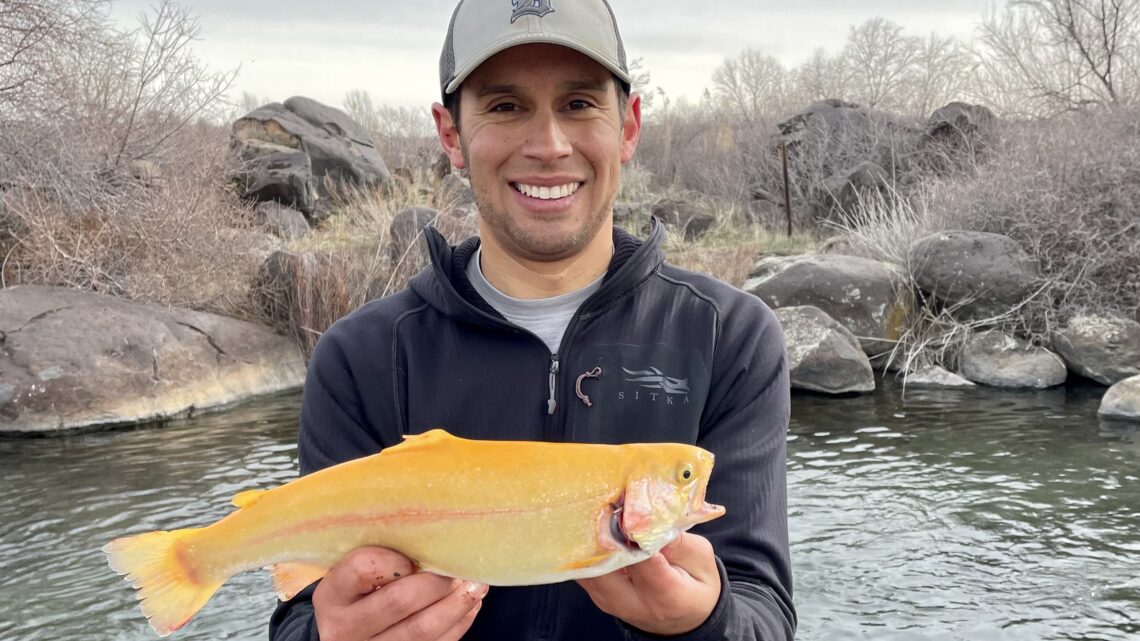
pixel 547 139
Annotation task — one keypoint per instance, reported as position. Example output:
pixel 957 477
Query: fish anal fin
pixel 587 562
pixel 247 498
pixel 289 578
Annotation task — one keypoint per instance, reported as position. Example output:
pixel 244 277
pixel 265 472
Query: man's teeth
pixel 547 193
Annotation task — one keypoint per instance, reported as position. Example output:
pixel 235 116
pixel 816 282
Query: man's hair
pixel 451 101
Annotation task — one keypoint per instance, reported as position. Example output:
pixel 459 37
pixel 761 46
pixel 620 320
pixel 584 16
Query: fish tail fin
pixel 170 588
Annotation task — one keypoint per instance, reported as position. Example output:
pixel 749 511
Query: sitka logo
pixel 530 8
pixel 654 378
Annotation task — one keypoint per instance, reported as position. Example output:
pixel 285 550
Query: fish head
pixel 665 495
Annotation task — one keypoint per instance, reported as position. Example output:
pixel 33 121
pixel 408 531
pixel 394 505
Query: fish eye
pixel 685 473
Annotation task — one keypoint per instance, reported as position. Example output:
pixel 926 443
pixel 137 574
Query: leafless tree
pixel 822 77
pixel 879 58
pixel 751 85
pixel 939 74
pixel 1064 54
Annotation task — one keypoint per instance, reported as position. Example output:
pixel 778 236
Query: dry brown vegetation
pixel 113 149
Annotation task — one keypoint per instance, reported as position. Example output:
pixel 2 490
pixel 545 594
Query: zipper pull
pixel 550 402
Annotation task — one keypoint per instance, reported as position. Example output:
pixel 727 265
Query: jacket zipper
pixel 552 402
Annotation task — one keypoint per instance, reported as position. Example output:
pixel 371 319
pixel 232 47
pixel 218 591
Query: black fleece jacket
pixel 683 357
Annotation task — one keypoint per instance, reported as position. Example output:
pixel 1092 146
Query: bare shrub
pixel 1067 188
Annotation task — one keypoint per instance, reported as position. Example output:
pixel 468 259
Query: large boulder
pixel 1103 348
pixel 1000 360
pixel 976 275
pixel 693 221
pixel 1122 400
pixel 268 172
pixel 823 356
pixel 336 147
pixel 73 359
pixel 862 294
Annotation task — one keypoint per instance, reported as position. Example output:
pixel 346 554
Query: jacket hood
pixel 444 284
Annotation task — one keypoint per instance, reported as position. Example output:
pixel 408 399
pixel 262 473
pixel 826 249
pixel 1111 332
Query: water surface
pixel 952 515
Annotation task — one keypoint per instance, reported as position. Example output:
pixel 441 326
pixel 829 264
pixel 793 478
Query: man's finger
pixel 440 617
pixel 693 554
pixel 404 597
pixel 362 572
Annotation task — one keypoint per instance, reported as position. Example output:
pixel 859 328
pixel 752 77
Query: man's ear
pixel 631 128
pixel 448 135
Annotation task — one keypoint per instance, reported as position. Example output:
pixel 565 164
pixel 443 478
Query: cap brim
pixel 533 38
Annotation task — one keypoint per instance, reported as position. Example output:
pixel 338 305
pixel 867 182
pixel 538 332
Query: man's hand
pixel 374 594
pixel 672 592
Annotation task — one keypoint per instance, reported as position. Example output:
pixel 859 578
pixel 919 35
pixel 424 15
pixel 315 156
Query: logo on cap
pixel 530 8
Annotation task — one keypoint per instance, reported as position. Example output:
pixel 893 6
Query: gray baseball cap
pixel 481 28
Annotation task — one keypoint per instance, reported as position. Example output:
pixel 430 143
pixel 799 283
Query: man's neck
pixel 524 279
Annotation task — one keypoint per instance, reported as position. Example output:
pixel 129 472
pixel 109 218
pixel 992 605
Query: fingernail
pixel 477 590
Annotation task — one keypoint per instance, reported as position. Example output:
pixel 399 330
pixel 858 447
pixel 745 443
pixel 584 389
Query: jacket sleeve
pixel 333 429
pixel 745 426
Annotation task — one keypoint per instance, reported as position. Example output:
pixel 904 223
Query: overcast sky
pixel 390 48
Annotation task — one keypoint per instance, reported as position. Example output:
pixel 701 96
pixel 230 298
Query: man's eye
pixel 504 107
pixel 579 104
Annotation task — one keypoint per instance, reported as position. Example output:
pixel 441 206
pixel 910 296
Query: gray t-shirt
pixel 547 318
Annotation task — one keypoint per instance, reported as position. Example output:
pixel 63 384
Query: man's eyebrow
pixel 492 90
pixel 483 91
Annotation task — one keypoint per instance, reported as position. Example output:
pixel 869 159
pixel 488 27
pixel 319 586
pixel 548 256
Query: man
pixel 554 325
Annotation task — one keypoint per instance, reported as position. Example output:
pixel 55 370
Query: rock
pixel 862 294
pixel 1122 400
pixel 999 360
pixel 404 232
pixel 441 167
pixel 935 376
pixel 823 356
pixel 976 274
pixel 956 138
pixel 146 172
pixel 1103 348
pixel 73 359
pixel 632 214
pixel 337 148
pixel 453 193
pixel 845 191
pixel 281 221
pixel 266 172
pixel 693 221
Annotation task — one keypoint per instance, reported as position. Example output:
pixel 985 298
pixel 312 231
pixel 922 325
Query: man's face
pixel 543 138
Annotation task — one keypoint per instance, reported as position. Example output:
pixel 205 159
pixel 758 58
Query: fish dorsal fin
pixel 247 498
pixel 427 439
pixel 291 578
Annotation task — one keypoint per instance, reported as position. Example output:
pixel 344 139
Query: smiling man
pixel 554 325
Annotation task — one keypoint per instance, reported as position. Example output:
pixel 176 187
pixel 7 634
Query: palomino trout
pixel 496 512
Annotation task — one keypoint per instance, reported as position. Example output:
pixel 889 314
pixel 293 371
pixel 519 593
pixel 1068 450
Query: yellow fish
pixel 496 512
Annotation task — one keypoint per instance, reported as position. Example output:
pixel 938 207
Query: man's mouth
pixel 547 193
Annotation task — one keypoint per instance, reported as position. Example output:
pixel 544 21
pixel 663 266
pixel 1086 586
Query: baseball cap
pixel 481 28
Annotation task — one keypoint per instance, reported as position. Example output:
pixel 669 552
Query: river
pixel 979 515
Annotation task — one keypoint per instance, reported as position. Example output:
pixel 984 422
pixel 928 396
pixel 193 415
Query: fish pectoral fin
pixel 247 498
pixel 587 562
pixel 289 578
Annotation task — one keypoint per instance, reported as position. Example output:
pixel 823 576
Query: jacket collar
pixel 444 284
